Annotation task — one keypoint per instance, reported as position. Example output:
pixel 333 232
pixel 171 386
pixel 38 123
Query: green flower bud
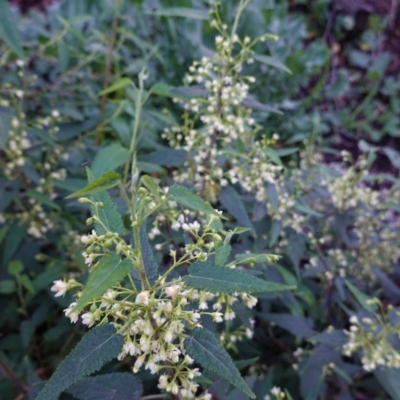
pixel 108 243
pixel 90 221
pixel 84 200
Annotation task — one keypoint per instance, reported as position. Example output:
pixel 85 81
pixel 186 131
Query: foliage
pixel 236 246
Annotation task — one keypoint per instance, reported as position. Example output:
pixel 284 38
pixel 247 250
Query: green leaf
pixel 5 125
pixel 63 56
pixel 361 298
pixel 109 159
pixel 273 155
pixel 389 378
pixel 27 284
pixel 297 325
pixel 120 83
pixel 214 279
pixel 150 265
pixel 99 346
pixel 148 181
pixel 271 62
pixel 8 29
pixel 42 198
pixel 3 233
pixel 7 286
pixel 251 258
pixel 109 214
pixel 231 200
pixel 117 385
pixel 107 181
pixel 241 364
pixel 109 271
pixel 288 395
pixel 166 157
pixel 181 12
pixel 205 348
pixel 187 199
pixel 15 267
pixel 222 252
pixel 15 235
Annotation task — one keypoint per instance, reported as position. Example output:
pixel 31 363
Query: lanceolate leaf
pixel 109 214
pixel 110 271
pixel 166 156
pixel 107 181
pixel 234 204
pixel 214 279
pixel 118 386
pixel 5 124
pixel 222 252
pixel 8 31
pixel 272 62
pixel 150 265
pixel 181 12
pixel 205 348
pixel 99 346
pixel 187 199
pixel 361 298
pixel 117 85
pixel 109 158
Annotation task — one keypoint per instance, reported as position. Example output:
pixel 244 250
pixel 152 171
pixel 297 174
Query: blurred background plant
pixel 326 110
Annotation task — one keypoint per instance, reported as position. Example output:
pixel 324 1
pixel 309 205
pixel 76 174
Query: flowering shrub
pixel 220 260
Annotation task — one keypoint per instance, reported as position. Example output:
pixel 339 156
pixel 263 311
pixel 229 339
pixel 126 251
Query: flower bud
pixel 84 200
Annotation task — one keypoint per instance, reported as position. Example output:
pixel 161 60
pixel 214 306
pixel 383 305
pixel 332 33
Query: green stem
pixel 142 272
pixel 136 125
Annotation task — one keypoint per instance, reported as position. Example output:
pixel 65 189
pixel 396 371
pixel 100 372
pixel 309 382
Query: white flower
pixel 172 291
pixel 88 319
pixel 88 258
pixel 276 391
pixel 60 287
pixel 139 362
pixel 217 316
pixel 143 297
pixel 353 319
pixel 84 239
pixel 168 337
pixel 163 381
pixel 55 113
pixel 73 316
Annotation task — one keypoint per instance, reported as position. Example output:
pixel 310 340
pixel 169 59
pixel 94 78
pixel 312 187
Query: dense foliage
pixel 198 201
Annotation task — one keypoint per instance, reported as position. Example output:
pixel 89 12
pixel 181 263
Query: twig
pixel 10 374
pixel 70 338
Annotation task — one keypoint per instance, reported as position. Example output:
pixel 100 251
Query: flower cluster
pixel 276 394
pixel 153 324
pixel 372 336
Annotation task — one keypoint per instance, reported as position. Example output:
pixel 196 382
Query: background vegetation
pixel 315 182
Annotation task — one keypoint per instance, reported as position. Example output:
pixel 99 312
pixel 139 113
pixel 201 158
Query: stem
pixel 10 374
pixel 138 111
pixel 142 272
pixel 107 73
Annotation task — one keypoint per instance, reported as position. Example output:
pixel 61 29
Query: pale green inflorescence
pixel 153 321
pixel 373 337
